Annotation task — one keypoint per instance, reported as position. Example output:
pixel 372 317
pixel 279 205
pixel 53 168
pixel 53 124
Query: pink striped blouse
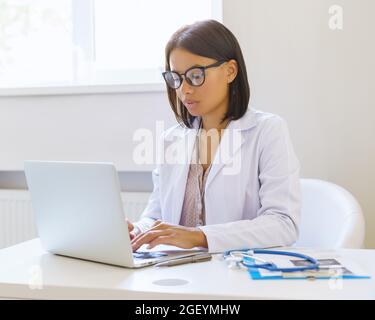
pixel 193 213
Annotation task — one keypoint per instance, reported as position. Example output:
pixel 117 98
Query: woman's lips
pixel 190 104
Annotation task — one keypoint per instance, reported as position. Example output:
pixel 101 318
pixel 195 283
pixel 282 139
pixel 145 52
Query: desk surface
pixel 27 271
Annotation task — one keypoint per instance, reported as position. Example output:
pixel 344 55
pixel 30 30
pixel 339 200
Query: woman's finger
pixel 169 240
pixel 158 225
pixel 157 222
pixel 148 237
pixel 131 235
pixel 140 235
pixel 130 225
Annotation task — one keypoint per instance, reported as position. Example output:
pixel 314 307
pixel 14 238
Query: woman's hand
pixel 175 235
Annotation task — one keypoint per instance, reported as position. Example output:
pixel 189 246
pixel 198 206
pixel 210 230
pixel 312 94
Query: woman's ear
pixel 232 70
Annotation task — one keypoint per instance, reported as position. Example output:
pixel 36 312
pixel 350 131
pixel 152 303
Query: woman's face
pixel 212 96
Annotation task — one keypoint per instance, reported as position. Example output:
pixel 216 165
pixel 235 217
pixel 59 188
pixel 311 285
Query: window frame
pixel 85 37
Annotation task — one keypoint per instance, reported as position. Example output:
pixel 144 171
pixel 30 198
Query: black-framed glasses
pixel 194 76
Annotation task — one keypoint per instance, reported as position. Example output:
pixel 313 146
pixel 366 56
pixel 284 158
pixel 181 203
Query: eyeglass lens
pixel 194 77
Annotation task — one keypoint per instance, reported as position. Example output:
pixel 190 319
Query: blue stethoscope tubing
pixel 270 266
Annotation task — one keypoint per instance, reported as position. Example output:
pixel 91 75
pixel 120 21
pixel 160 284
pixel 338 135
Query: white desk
pixel 66 278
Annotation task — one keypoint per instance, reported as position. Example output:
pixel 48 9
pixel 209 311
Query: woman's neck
pixel 213 119
pixel 211 122
pixel 214 124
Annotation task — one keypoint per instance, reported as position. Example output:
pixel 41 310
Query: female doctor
pixel 248 198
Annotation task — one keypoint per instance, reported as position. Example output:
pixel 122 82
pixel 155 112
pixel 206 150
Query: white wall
pixel 78 127
pixel 322 81
pixel 319 80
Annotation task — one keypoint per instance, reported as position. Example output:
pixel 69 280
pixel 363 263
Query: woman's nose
pixel 185 87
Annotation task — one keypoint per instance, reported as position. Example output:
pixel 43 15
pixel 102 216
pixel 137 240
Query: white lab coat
pixel 257 207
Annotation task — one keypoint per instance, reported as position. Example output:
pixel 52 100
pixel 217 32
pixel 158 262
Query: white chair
pixel 331 217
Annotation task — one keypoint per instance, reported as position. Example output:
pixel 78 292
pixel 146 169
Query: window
pixel 63 43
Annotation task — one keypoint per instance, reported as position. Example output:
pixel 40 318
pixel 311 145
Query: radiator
pixel 17 219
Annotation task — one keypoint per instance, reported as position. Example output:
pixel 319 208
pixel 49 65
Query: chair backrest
pixel 331 217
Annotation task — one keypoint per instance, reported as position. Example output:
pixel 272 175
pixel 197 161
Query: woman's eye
pixel 196 75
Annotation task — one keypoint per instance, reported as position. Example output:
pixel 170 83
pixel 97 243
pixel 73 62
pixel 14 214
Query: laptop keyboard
pixel 148 255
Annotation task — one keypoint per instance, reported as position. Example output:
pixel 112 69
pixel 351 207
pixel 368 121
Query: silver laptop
pixel 79 213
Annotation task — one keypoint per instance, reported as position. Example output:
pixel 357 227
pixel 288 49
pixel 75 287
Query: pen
pixel 192 259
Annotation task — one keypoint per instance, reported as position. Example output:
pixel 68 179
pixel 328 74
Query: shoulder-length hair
pixel 211 39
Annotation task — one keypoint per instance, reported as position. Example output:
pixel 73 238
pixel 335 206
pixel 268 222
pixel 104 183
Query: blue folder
pixel 344 273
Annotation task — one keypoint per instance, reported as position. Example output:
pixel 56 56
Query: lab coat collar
pixel 246 122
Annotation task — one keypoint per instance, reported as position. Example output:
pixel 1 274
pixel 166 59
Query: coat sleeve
pixel 152 212
pixel 278 217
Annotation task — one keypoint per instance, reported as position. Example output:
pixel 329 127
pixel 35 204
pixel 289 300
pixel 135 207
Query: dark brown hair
pixel 210 39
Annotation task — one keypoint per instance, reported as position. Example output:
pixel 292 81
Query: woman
pixel 246 199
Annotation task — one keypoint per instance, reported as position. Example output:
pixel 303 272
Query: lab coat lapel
pixel 225 152
pixel 231 143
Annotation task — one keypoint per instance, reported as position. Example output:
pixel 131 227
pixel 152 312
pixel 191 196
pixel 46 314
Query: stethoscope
pixel 245 257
